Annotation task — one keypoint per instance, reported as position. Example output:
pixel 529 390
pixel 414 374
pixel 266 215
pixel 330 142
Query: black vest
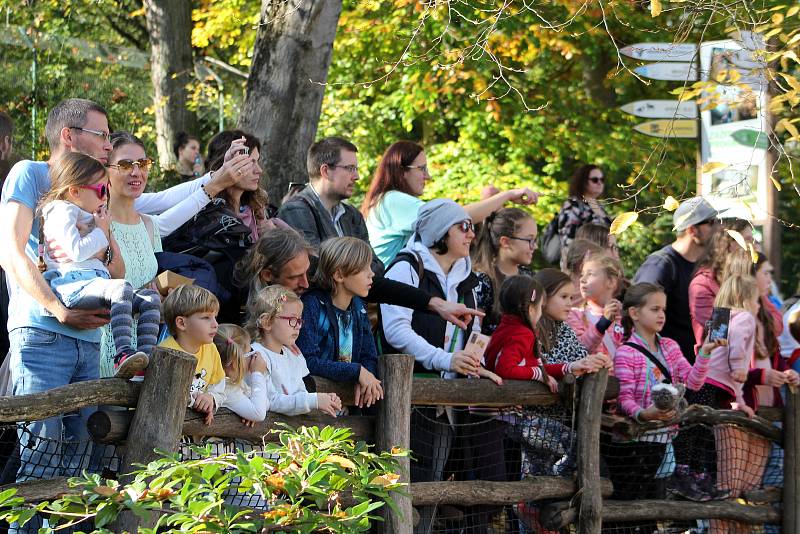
pixel 426 323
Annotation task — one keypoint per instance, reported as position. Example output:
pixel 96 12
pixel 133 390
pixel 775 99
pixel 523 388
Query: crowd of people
pixel 283 293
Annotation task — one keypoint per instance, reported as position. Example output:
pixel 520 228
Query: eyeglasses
pixel 99 133
pixel 711 221
pixel 352 169
pixel 466 226
pixel 126 165
pixel 423 168
pixel 294 322
pixel 597 179
pixel 101 190
pixel 530 240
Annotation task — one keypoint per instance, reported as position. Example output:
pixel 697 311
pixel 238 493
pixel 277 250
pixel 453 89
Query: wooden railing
pixel 160 418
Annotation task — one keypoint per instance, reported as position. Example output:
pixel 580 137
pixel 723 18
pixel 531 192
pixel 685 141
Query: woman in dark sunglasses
pixel 586 186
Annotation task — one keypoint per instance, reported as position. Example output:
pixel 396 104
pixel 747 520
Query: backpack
pixel 550 242
pixel 192 267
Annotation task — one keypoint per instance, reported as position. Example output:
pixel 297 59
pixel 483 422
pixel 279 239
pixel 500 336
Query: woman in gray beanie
pixel 436 259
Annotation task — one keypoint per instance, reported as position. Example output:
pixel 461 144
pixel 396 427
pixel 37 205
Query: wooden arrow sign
pixel 661 109
pixel 668 128
pixel 670 71
pixel 661 51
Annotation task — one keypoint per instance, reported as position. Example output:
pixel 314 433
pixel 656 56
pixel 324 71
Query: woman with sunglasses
pixel 393 199
pixel 586 186
pixel 75 216
pixel 435 260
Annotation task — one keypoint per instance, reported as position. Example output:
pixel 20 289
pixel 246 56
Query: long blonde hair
pixel 266 305
pixel 737 291
pixel 232 341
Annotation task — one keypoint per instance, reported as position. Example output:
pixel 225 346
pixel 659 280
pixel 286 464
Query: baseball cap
pixel 692 212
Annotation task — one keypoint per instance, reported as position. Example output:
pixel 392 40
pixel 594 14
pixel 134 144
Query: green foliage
pixel 313 479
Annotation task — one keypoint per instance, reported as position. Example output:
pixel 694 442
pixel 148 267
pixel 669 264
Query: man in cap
pixel 695 222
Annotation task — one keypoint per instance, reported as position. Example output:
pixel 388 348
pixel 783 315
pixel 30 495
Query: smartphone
pixel 476 345
pixel 718 324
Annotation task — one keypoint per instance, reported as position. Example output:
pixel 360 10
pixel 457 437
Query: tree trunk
pixel 169 23
pixel 292 54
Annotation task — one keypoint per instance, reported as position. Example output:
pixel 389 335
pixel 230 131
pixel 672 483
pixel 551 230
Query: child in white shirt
pixel 274 318
pixel 245 374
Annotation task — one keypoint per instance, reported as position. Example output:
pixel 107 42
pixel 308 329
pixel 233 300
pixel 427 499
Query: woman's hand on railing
pixel 368 389
pixel 465 363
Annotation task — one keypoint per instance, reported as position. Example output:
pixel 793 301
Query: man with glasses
pixel 695 222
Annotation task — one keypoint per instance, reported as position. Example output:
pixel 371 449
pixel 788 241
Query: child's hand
pixel 465 363
pixel 775 378
pixel 739 375
pixel 552 383
pixel 257 364
pixel 792 378
pixel 742 407
pixel 485 373
pixel 329 403
pixel 204 402
pixel 709 346
pixel 248 422
pixel 102 219
pixel 651 413
pixel 612 310
pixel 590 364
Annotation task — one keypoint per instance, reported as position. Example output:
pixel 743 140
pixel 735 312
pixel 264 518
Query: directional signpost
pixel 661 109
pixel 661 51
pixel 668 70
pixel 686 128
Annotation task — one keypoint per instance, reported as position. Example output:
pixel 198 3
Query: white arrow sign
pixel 668 71
pixel 661 51
pixel 661 109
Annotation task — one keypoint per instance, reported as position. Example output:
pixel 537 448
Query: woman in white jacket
pixel 436 260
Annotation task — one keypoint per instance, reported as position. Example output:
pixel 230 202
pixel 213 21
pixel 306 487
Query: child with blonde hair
pixel 596 322
pixel 274 319
pixel 190 313
pixel 245 374
pixel 337 337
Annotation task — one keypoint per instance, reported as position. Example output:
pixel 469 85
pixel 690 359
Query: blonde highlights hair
pixel 607 264
pixel 266 305
pixel 347 255
pixel 186 300
pixel 232 341
pixel 72 170
pixel 737 291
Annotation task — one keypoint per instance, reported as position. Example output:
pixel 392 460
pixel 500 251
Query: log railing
pixel 584 501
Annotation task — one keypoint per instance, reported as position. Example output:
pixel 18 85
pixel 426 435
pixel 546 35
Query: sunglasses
pixel 597 179
pixel 294 322
pixel 126 165
pixel 101 190
pixel 466 226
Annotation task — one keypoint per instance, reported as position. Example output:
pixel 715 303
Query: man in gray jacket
pixel 319 212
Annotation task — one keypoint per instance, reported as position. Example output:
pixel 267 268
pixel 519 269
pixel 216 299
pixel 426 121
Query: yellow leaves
pixel 670 204
pixel 775 183
pixel 340 461
pixel 739 238
pixel 623 221
pixel 793 11
pixel 789 127
pixel 777 18
pixel 655 8
pixel 713 166
pixel 387 479
pixel 791 80
pixel 753 253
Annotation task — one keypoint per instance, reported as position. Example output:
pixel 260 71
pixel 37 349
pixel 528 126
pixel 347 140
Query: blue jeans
pixel 58 446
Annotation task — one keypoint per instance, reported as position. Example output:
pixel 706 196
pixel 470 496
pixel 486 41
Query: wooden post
pixel 590 517
pixel 791 464
pixel 393 429
pixel 158 420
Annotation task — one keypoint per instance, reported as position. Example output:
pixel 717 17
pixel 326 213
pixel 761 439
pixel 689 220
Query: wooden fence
pixel 160 418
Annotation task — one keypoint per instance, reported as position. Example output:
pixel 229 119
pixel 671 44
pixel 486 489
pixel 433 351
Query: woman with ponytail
pixel 504 248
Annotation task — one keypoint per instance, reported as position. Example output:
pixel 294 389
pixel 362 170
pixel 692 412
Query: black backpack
pixel 550 243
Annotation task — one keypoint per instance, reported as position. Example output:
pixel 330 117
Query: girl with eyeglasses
pixel 75 216
pixel 391 204
pixel 504 248
pixel 337 337
pixel 274 319
pixel 586 186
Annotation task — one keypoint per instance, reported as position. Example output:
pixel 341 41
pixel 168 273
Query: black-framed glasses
pixel 294 322
pixel 423 168
pixel 126 165
pixel 530 240
pixel 466 226
pixel 597 179
pixel 99 133
pixel 352 169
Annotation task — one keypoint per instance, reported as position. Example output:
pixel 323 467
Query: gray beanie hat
pixel 435 218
